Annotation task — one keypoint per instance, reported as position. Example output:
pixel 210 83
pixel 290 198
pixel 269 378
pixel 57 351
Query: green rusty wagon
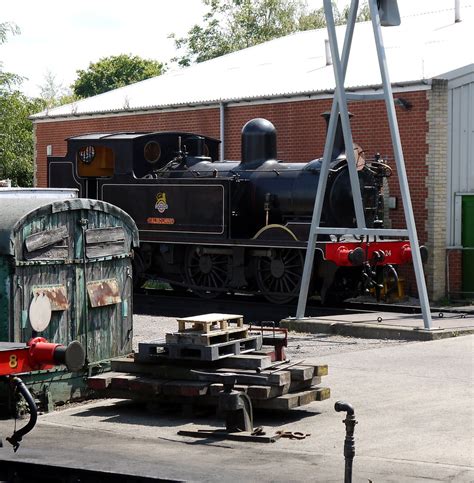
pixel 66 274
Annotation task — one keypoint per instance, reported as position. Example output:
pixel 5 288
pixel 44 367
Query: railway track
pixel 168 303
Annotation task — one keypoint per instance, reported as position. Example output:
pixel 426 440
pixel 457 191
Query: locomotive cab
pixel 121 157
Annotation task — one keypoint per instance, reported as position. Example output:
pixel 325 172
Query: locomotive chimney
pixel 258 142
pixel 339 146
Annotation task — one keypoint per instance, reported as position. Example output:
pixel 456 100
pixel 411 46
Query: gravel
pixel 148 328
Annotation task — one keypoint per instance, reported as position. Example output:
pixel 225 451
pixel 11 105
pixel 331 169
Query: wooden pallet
pixel 191 336
pixel 147 351
pixel 205 323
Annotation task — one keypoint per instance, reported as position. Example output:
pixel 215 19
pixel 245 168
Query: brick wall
pixel 436 160
pixel 300 133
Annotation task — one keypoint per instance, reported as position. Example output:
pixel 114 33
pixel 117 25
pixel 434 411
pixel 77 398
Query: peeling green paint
pixel 5 290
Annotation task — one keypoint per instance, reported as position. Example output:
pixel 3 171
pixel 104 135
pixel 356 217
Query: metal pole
pixel 340 94
pixel 222 131
pixel 323 175
pixel 399 159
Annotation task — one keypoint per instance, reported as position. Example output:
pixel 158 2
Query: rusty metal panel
pixel 106 330
pixel 29 280
pixel 56 293
pixel 103 292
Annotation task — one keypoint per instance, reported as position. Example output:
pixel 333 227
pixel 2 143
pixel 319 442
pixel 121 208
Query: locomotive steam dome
pixel 258 141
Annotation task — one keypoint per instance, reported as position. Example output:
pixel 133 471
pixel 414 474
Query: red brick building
pixel 288 82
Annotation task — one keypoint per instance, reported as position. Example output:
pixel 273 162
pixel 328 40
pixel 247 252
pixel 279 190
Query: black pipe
pixel 349 447
pixel 17 436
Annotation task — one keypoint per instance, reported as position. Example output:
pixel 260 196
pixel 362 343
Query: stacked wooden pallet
pixel 210 337
pixel 184 368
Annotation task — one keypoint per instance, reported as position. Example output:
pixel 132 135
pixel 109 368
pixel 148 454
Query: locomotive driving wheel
pixel 207 273
pixel 279 275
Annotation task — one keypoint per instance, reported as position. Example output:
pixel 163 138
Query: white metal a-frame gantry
pixel 388 15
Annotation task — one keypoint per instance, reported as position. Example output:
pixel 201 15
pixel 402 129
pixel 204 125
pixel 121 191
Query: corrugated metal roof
pixel 424 46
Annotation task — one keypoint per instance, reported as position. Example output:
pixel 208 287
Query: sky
pixel 59 37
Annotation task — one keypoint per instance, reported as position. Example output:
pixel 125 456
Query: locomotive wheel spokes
pixel 279 276
pixel 208 271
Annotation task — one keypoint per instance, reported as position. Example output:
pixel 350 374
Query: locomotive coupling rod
pixel 349 446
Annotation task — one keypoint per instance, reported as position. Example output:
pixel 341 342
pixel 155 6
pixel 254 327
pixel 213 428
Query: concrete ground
pixel 413 402
pixel 387 325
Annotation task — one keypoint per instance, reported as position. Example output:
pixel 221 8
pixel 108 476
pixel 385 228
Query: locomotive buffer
pixel 383 13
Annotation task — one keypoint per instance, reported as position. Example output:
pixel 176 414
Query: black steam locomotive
pixel 226 226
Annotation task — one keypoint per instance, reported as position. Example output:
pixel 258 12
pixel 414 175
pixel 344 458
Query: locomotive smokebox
pixel 258 142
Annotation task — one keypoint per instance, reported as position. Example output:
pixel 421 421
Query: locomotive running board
pixel 339 107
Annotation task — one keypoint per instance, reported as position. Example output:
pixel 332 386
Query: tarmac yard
pixel 413 403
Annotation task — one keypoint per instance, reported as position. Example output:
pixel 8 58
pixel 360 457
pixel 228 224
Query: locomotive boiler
pixel 235 226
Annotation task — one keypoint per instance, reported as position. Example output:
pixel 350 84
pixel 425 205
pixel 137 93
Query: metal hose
pixel 17 436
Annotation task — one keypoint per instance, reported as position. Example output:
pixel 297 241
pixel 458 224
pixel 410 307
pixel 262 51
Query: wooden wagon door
pixel 104 286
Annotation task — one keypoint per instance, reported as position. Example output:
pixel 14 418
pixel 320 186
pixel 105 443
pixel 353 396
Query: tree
pixel 113 72
pixel 53 93
pixel 16 137
pixel 16 130
pixel 231 25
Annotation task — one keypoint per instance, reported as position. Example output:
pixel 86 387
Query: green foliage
pixel 16 137
pixel 231 25
pixel 362 16
pixel 5 29
pixel 16 130
pixel 113 72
